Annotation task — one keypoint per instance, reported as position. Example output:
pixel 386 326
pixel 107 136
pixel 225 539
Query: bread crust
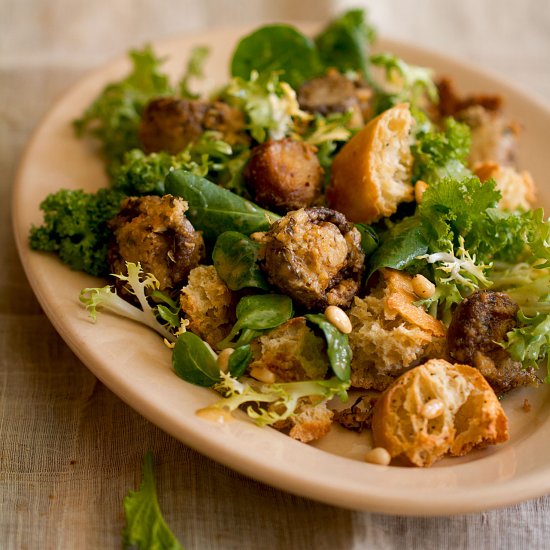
pixel 371 175
pixel 470 415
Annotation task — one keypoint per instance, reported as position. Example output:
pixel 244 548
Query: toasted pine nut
pixel 258 236
pixel 423 287
pixel 378 455
pixel 419 188
pixel 263 375
pixel 223 358
pixel 338 318
pixel 221 416
pixel 432 408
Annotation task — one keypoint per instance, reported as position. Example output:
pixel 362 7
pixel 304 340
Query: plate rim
pixel 527 486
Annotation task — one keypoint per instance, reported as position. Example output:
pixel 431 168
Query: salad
pixel 328 220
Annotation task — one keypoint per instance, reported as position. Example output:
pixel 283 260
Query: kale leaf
pixel 75 227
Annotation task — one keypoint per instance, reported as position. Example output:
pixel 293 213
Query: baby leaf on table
pixel 145 525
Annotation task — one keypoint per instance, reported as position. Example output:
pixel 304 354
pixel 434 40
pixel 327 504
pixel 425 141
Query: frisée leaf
pixel 270 403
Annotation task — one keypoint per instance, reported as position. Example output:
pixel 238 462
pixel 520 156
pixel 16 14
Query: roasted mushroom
pixel 284 175
pixel 314 255
pixel 478 327
pixel 155 232
pixel 170 124
pixel 335 93
pixel 494 137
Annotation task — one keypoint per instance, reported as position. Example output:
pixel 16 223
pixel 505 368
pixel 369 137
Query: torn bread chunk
pixel 311 421
pixel 517 188
pixel 390 333
pixel 371 175
pixel 438 409
pixel 208 304
pixel 292 352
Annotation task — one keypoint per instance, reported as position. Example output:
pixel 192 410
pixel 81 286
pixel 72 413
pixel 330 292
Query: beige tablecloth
pixel 69 448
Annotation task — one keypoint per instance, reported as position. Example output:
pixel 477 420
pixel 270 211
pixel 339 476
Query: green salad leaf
pixel 271 403
pixel 194 361
pixel 239 360
pixel 345 42
pixel 530 343
pixel 214 210
pixel 235 258
pixel 338 349
pixel 113 118
pixel 146 527
pixel 276 48
pixel 442 154
pixel 369 238
pixel 256 314
pixel 193 70
pixel 404 83
pixel 270 105
pixel 400 245
pixel 141 285
pixel 75 228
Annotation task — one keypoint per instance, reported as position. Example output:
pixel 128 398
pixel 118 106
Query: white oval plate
pixel 133 362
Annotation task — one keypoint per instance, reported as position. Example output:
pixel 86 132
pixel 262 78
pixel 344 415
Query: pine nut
pixel 419 188
pixel 223 358
pixel 213 414
pixel 423 287
pixel 338 318
pixel 378 455
pixel 432 408
pixel 263 375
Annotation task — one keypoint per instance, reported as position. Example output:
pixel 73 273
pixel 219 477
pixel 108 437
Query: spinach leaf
pixel 213 209
pixel 338 350
pixel 239 360
pixel 194 361
pixel 256 314
pixel 344 44
pixel 279 48
pixel 369 238
pixel 235 259
pixel 400 245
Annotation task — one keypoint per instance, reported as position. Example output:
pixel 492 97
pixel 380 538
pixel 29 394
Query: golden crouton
pixel 371 175
pixel 438 409
pixel 390 333
pixel 400 298
pixel 310 422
